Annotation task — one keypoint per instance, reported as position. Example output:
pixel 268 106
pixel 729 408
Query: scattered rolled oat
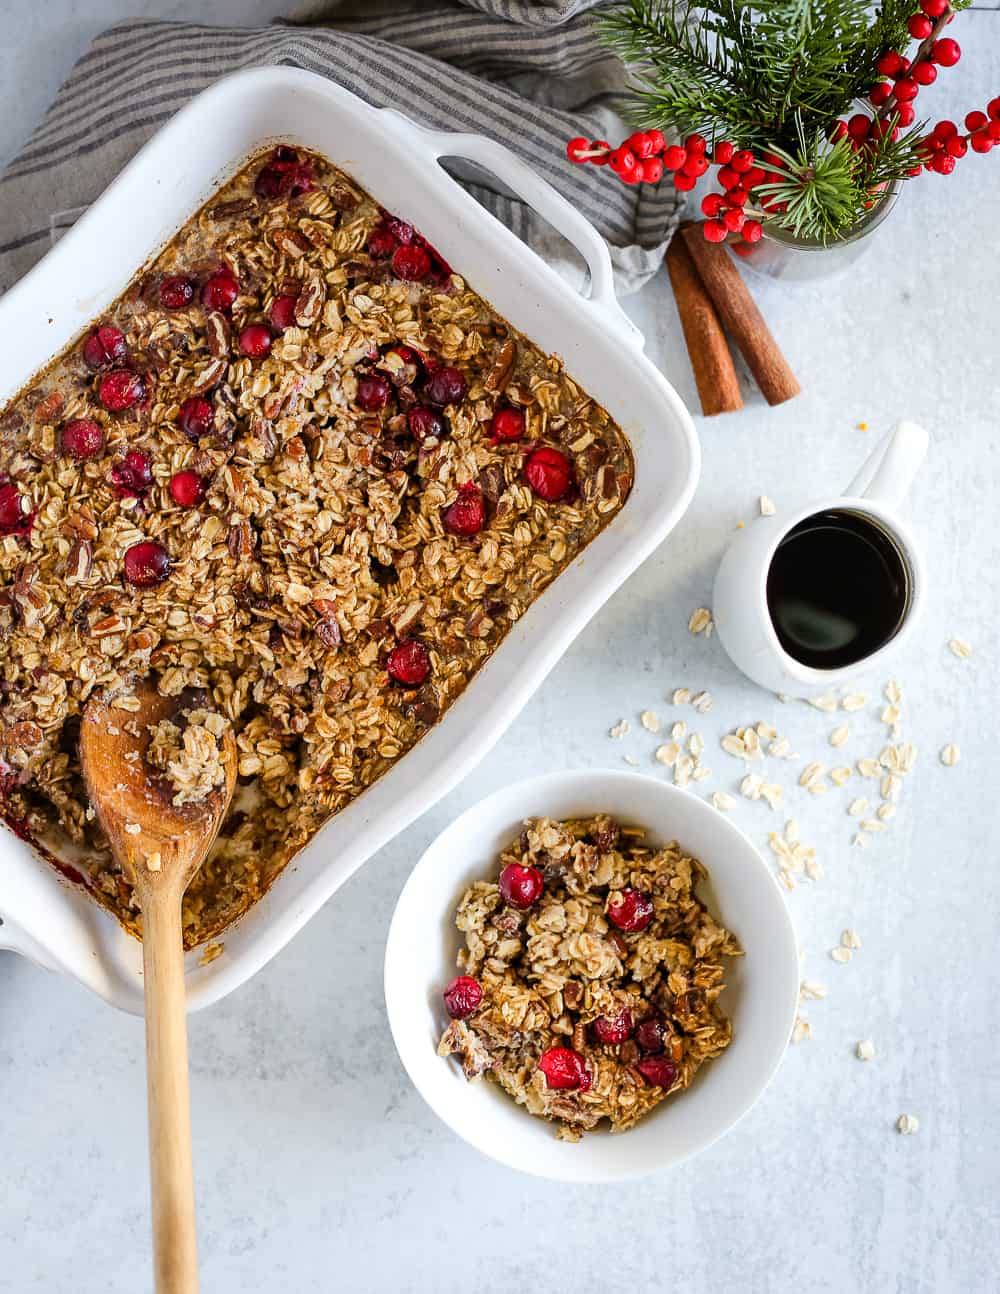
pixel 631 759
pixel 869 767
pixel 210 952
pixel 872 824
pixel 781 749
pixel 702 702
pixel 767 508
pixel 734 746
pixel 960 648
pixel 701 622
pixel 679 730
pixel 810 773
pixel 907 1124
pixel 696 745
pixel 853 701
pixel 949 755
pixel 850 939
pixel 811 990
pixel 827 703
pixel 722 801
pixel 858 808
pixel 649 721
pixel 885 811
pixel 893 692
pixel 620 729
pixel 667 753
pixel 865 1049
pixel 801 1030
pixel 858 840
pixel 681 696
pixel 839 735
pixel 841 954
pixel 840 776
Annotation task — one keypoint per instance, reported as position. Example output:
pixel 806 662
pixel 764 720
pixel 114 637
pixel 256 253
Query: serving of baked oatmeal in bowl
pixel 591 975
pixel 300 465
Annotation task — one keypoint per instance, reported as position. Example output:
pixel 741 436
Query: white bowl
pixel 760 998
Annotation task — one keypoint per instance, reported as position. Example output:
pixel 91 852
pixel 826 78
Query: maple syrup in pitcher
pixel 838 589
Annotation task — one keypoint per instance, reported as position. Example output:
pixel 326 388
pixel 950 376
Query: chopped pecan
pixel 217 333
pixel 309 302
pixel 80 561
pixel 291 242
pixel 503 366
pixel 240 539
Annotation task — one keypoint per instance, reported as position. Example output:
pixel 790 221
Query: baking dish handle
pixel 552 206
pixel 14 940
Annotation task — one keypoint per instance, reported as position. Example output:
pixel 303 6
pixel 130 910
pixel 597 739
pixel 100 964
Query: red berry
pixel 446 386
pixel 944 129
pixel 549 473
pixel 993 130
pixel 743 160
pixel 381 243
pixel 412 264
pixel 595 144
pixel 993 109
pixel 282 313
pixel 934 8
pixel 631 910
pixel 650 1033
pixel 737 198
pixel 285 175
pixel 728 178
pixel 104 347
pixel 906 89
pixel 956 146
pixel 924 73
pixel 631 177
pixel 507 425
pixel 712 204
pixel 715 231
pixel 255 341
pixel 756 175
pixel 374 392
pixel 82 439
pixel 657 139
pixel 981 141
pixel 187 489
pixel 752 231
pixel 859 126
pixel 220 291
pixel 696 165
pixel 734 220
pixel 695 143
pixel 839 131
pixel 146 564
pixel 724 153
pixel 652 170
pixel 196 416
pixel 132 476
pixel 520 887
pixel 905 114
pixel 424 422
pixel 623 161
pixel 575 146
pixel 684 182
pixel 16 513
pixel 674 157
pixel 657 1070
pixel 944 163
pixel 975 121
pixel 920 26
pixel 409 663
pixel 401 230
pixel 879 92
pixel 467 515
pixel 176 292
pixel 890 63
pixel 904 67
pixel 564 1070
pixel 946 52
pixel 614 1030
pixel 121 390
pixel 462 996
pixel 641 144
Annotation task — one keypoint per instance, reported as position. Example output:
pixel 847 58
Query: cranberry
pixel 381 243
pixel 424 422
pixel 133 475
pixel 650 1033
pixel 176 292
pixel 657 1070
pixel 374 391
pixel 507 425
pixel 409 663
pixel 462 996
pixel 564 1069
pixel 401 365
pixel 401 230
pixel 631 910
pixel 614 1030
pixel 16 514
pixel 146 564
pixel 82 438
pixel 196 416
pixel 549 473
pixel 282 313
pixel 411 262
pixel 467 515
pixel 520 887
pixel 285 176
pixel 220 291
pixel 187 489
pixel 121 390
pixel 104 347
pixel 446 386
pixel 255 341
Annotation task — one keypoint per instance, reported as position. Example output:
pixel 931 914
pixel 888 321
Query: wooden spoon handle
pixel 175 1255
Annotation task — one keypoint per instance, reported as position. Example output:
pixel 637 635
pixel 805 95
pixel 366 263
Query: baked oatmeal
pixel 188 756
pixel 299 465
pixel 591 974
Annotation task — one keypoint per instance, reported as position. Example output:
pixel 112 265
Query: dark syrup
pixel 837 590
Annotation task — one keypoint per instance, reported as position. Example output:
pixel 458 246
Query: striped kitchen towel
pixel 531 75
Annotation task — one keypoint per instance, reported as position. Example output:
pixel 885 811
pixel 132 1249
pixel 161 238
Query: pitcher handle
pixel 889 471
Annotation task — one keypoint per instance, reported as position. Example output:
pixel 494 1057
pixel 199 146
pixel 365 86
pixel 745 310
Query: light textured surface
pixel 320 1168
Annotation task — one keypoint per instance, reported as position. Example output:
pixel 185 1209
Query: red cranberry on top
pixel 507 425
pixel 614 1029
pixel 630 910
pixel 651 1033
pixel 255 341
pixel 176 292
pixel 133 475
pixel 409 663
pixel 446 385
pixel 187 489
pixel 381 243
pixel 549 473
pixel 82 438
pixel 220 290
pixel 424 422
pixel 282 313
pixel 104 347
pixel 196 416
pixel 286 175
pixel 121 390
pixel 564 1070
pixel 374 392
pixel 467 515
pixel 657 1070
pixel 16 513
pixel 411 263
pixel 462 996
pixel 147 564
pixel 401 364
pixel 521 887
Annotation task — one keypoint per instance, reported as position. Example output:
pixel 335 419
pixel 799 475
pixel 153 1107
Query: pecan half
pixel 503 366
pixel 217 334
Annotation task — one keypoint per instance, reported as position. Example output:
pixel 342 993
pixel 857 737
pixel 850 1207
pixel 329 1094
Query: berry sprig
pixel 945 144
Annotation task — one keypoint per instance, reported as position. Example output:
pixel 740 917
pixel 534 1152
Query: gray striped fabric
pixel 529 75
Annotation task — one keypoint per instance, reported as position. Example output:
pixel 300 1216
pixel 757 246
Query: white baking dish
pixel 397 162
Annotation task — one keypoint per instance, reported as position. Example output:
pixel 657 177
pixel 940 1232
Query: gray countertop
pixel 318 1165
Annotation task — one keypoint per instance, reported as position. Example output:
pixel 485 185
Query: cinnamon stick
pixel 741 317
pixel 708 351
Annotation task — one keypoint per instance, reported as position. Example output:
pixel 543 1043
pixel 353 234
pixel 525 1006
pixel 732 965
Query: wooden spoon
pixel 160 846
